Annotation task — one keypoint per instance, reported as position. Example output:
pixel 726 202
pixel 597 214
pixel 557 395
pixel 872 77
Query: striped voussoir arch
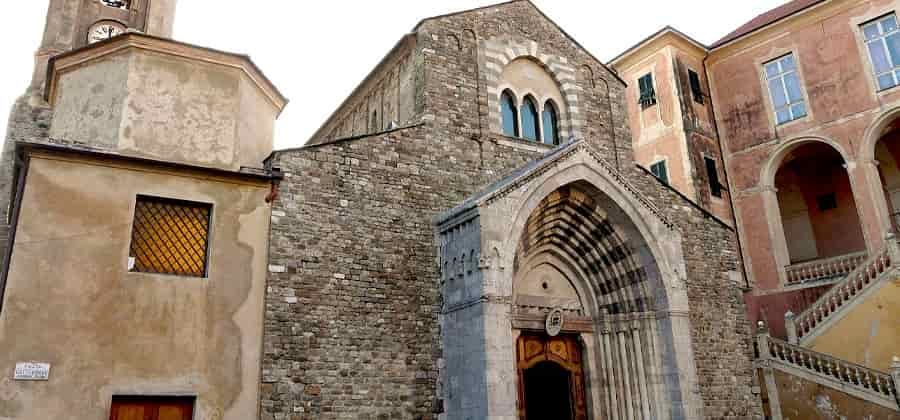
pixel 571 222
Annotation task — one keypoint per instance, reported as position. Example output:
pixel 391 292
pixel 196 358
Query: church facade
pixel 467 237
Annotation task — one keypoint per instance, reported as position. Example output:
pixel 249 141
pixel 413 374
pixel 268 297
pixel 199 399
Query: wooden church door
pixel 551 381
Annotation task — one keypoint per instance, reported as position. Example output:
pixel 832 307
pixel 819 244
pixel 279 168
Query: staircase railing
pixel 824 269
pixel 844 292
pixel 860 381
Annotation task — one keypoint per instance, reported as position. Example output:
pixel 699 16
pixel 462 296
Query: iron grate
pixel 170 237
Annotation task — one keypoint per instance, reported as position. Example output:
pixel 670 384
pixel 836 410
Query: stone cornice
pixel 78 58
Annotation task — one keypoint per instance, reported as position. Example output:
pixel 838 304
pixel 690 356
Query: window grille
pixel 785 89
pixel 696 91
pixel 647 96
pixel 170 236
pixel 883 43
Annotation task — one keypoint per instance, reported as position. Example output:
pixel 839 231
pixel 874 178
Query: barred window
pixel 170 236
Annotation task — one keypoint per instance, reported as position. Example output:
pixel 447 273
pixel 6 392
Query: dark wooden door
pixel 152 408
pixel 550 360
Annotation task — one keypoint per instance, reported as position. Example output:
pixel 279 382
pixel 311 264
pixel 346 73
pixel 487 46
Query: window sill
pixel 520 143
pixel 792 122
pixel 887 91
pixel 163 276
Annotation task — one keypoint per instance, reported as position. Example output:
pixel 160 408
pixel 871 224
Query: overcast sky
pixel 317 52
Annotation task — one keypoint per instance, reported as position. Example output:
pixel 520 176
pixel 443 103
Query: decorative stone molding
pixel 63 63
pixel 553 159
pixel 500 51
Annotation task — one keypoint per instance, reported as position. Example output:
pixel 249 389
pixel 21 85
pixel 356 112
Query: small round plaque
pixel 554 322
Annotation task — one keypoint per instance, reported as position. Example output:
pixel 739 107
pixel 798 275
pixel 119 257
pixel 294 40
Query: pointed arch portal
pixel 565 236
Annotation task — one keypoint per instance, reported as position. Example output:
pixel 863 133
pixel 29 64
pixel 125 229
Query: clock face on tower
pixel 104 30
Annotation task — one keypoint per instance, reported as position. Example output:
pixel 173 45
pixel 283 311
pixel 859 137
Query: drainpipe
pixel 22 163
pixel 737 231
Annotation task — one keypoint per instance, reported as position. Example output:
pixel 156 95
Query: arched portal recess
pixel 579 252
pixel 887 154
pixel 816 203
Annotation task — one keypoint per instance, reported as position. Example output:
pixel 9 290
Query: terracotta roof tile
pixel 767 18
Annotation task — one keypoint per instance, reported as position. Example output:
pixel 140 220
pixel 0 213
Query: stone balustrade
pixel 879 385
pixel 842 293
pixel 823 269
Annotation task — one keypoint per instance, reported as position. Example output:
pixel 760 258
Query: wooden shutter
pixel 647 94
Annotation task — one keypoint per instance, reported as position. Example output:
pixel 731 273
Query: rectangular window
pixel 152 408
pixel 647 93
pixel 826 202
pixel 660 171
pixel 785 89
pixel 118 4
pixel 696 91
pixel 170 237
pixel 883 44
pixel 712 173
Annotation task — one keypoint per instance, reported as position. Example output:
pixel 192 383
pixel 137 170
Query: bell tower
pixel 72 24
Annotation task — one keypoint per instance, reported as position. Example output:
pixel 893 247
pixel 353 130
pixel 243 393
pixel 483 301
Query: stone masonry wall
pixel 387 95
pixel 353 303
pixel 353 295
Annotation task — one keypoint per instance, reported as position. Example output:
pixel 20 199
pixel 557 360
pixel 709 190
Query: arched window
pixel 510 116
pixel 551 123
pixel 530 120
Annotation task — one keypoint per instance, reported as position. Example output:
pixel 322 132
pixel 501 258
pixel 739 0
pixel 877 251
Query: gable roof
pixel 665 30
pixel 766 19
pixel 540 12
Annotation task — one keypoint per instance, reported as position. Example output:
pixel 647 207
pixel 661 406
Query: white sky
pixel 316 55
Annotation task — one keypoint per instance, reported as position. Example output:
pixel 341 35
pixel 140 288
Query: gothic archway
pixel 568 234
pixel 581 254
